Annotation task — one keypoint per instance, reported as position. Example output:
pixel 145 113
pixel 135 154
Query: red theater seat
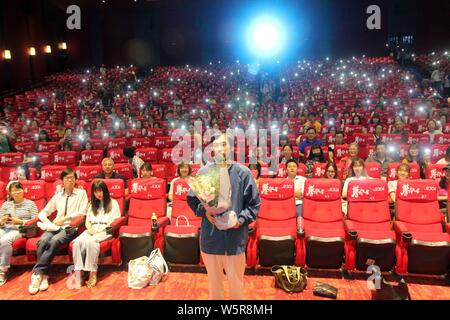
pixel 148 154
pixel 368 227
pixel 147 196
pixel 373 169
pixel 91 157
pixel 275 236
pixel 321 230
pixel 181 238
pixel 422 235
pixel 50 174
pixel 65 158
pixel 88 173
pixel 117 156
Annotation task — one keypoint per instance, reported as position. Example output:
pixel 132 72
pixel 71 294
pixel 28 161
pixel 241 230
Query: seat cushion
pixel 325 233
pixel 361 226
pixel 322 225
pixel 135 229
pixel 276 232
pixel 431 237
pixel 376 234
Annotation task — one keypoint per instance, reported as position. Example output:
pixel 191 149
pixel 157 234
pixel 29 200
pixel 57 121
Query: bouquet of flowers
pixel 213 189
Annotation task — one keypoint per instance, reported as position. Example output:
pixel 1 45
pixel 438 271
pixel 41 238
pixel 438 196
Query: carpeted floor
pixel 112 285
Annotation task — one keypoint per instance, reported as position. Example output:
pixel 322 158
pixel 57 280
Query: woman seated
pixel 14 213
pixel 331 171
pixel 102 211
pixel 184 171
pixel 315 156
pixel 353 151
pixel 255 168
pixel 357 171
pixel 286 153
pixel 403 171
pixel 446 159
pixel 415 155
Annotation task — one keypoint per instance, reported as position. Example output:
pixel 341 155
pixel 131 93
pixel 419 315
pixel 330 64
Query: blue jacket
pixel 245 202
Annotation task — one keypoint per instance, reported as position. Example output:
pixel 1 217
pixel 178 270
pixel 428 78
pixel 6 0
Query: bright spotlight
pixel 266 36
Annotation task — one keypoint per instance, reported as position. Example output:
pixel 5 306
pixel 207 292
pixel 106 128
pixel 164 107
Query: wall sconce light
pixel 63 46
pixel 7 55
pixel 32 51
pixel 48 49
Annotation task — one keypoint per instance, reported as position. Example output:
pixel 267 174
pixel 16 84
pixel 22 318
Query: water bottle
pixel 155 227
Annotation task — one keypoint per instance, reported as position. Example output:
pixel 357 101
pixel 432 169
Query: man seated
pixel 108 173
pixel 381 157
pixel 68 204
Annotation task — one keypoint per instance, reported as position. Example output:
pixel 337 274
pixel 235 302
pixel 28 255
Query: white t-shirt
pixel 392 186
pixel 100 221
pixel 299 185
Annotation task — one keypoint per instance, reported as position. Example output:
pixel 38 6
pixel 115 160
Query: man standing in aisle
pixel 225 249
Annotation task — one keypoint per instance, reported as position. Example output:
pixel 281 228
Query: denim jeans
pixel 7 237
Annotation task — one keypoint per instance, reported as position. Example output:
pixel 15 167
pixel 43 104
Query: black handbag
pixel 325 290
pixel 388 291
pixel 28 231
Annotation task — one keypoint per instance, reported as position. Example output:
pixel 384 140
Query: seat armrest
pixel 252 228
pixel 447 228
pixel 78 221
pixel 350 230
pixel 401 229
pixel 31 222
pixel 115 225
pixel 301 233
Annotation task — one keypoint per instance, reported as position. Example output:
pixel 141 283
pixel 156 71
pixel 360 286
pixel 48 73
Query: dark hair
pixel 291 160
pixel 67 143
pixel 330 164
pixel 380 143
pixel 147 166
pixel 321 156
pixel 66 172
pixel 354 117
pixel 353 163
pixel 15 184
pixel 47 137
pixel 311 128
pixel 257 167
pixel 447 154
pixel 181 165
pixel 339 132
pixel 128 152
pixel 95 203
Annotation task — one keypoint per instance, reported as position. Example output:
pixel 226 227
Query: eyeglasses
pixel 16 192
pixel 67 178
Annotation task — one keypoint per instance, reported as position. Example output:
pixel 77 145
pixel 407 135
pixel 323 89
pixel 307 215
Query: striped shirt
pixel 26 210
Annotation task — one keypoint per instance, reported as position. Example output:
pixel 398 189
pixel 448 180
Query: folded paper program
pixel 47 225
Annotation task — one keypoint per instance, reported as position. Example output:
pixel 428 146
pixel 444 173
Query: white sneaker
pixel 2 278
pixel 36 279
pixel 44 283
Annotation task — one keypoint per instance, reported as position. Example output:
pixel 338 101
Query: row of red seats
pixel 417 242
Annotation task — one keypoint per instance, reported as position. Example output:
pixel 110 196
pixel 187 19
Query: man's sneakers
pixel 44 283
pixel 35 284
pixel 2 278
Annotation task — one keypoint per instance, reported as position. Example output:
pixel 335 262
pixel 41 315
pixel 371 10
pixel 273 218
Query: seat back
pixel 322 200
pixel 65 158
pixel 368 201
pixel 159 171
pixel 125 169
pixel 148 154
pixel 11 159
pixel 116 190
pixel 35 191
pixel 417 203
pixel 391 173
pixel 54 187
pixel 147 196
pixel 44 157
pixel 179 204
pixel 117 156
pixel 91 157
pixel 50 174
pixel 87 173
pixel 277 203
pixel 435 171
pixel 373 169
pixel 50 147
pixel 318 170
